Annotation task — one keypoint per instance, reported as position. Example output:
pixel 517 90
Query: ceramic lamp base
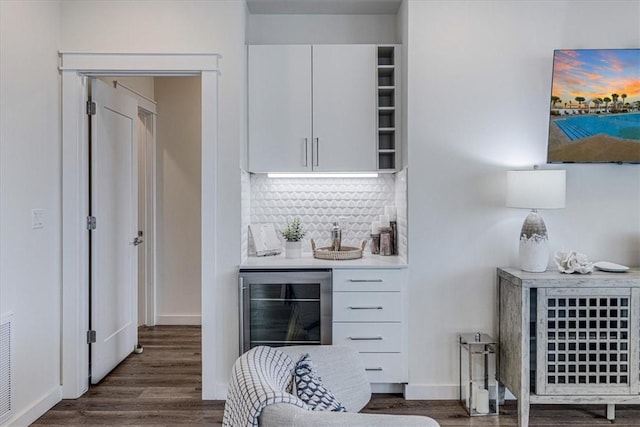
pixel 534 244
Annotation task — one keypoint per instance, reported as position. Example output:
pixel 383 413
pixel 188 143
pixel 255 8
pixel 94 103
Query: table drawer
pixel 367 306
pixel 369 337
pixel 369 280
pixel 384 367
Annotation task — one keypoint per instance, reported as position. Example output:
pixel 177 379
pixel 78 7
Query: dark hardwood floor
pixel 162 387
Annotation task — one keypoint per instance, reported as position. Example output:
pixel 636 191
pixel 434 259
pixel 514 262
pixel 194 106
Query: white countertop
pixel 308 261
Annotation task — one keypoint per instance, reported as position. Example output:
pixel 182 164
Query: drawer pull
pixel 365 280
pixel 373 369
pixel 355 307
pixel 365 338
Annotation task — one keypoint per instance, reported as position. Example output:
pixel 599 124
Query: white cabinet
pixel 312 108
pixel 344 107
pixel 369 313
pixel 279 108
pixel 367 306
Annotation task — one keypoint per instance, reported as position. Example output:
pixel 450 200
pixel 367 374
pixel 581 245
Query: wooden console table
pixel 569 338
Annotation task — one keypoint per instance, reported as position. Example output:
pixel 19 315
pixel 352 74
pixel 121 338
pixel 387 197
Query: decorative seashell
pixel 572 262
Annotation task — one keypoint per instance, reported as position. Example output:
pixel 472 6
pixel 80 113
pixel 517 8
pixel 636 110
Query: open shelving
pixel 387 77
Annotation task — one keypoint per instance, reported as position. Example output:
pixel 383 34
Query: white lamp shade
pixel 536 189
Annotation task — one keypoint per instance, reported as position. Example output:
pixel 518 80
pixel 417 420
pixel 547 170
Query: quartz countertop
pixel 308 261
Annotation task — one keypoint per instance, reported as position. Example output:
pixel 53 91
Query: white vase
pixel 293 249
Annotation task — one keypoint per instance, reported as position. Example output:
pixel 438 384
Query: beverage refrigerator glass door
pixel 284 307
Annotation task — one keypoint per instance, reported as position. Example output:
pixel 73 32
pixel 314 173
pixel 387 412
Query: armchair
pixel 342 372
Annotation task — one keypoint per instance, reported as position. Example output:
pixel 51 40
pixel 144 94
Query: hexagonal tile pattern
pixel 354 202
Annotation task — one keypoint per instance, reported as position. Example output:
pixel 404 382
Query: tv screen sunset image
pixel 595 106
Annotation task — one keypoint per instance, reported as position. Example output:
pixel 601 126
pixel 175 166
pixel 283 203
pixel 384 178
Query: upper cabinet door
pixel 344 107
pixel 279 90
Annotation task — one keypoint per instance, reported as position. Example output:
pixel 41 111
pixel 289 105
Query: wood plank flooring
pixel 162 387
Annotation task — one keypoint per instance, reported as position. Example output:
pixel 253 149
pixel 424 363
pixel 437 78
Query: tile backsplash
pixel 321 201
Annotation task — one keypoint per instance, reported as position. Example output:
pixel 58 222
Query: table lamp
pixel 535 189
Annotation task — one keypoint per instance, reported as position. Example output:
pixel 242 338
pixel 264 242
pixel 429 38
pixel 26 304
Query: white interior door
pixel 114 269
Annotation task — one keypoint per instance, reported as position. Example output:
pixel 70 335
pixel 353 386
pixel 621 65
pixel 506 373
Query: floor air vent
pixel 6 359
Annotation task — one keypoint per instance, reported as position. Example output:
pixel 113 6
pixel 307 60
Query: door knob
pixel 137 241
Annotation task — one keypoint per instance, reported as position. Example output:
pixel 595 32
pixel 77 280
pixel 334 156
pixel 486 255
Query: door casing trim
pixel 75 67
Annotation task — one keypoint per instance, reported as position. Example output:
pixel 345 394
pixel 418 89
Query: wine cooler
pixel 284 307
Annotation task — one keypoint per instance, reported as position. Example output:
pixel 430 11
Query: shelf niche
pixel 387 111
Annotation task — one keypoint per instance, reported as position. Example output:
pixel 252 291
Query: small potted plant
pixel 293 235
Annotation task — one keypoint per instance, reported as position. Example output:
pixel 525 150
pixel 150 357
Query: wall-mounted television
pixel 595 106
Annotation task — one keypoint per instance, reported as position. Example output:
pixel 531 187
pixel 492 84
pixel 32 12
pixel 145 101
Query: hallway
pixel 161 386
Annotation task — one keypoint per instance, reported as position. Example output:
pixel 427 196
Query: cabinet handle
pixel 241 290
pixel 317 152
pixel 365 338
pixel 377 307
pixel 373 369
pixel 306 152
pixel 365 280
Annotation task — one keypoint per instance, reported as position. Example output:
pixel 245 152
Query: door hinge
pixel 91 223
pixel 91 108
pixel 91 337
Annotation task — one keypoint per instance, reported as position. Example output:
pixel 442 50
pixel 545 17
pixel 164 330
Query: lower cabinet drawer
pixel 367 306
pixel 370 280
pixel 369 337
pixel 384 367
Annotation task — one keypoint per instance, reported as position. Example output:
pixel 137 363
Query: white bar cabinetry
pixel 312 108
pixel 279 108
pixel 369 313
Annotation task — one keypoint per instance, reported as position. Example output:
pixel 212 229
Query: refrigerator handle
pixel 241 311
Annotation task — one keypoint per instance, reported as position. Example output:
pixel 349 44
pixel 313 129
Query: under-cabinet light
pixel 322 175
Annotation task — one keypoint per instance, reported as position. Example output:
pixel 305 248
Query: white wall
pixel 479 89
pixel 188 26
pixel 178 230
pixel 30 262
pixel 317 29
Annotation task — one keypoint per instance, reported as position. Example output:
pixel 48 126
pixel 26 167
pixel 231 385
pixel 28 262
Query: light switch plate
pixel 37 218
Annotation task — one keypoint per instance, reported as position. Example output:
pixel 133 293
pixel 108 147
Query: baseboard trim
pixel 219 392
pixel 387 388
pixel 170 319
pixel 38 409
pixel 432 391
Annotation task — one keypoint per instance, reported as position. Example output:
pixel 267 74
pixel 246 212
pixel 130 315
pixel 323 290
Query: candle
pixel 384 220
pixel 482 401
pixel 375 227
pixel 391 212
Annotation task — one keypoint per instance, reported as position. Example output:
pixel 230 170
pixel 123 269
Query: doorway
pixel 75 67
pixel 166 230
pixel 178 201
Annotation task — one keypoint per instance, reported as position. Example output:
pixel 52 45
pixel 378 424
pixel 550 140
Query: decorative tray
pixel 345 252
